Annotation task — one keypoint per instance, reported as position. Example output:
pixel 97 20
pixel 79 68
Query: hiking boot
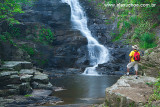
pixel 127 74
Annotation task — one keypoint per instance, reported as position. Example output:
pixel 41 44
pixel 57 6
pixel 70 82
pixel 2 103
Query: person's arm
pixel 130 58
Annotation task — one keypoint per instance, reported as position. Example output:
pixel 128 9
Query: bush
pixel 3 38
pixel 126 25
pixel 28 49
pixel 141 29
pixel 147 40
pixel 11 7
pixel 134 19
pixel 46 35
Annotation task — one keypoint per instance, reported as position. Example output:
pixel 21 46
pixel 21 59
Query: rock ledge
pixel 129 91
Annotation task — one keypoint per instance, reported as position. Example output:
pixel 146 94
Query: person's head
pixel 135 47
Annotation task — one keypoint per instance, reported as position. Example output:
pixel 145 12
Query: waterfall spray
pixel 98 54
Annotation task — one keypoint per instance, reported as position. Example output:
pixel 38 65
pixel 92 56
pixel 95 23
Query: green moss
pixel 28 49
pixel 150 84
pixel 132 104
pixel 155 25
pixel 118 100
pixel 41 62
pixel 156 95
pixel 3 38
pixel 45 35
pixel 134 19
pixel 28 95
pixel 143 67
pixel 126 25
pixel 107 21
pixel 107 103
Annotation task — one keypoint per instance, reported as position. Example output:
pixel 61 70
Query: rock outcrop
pixel 129 91
pixel 20 78
pixel 69 48
pixel 150 63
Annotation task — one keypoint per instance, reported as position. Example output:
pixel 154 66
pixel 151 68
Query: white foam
pixel 98 54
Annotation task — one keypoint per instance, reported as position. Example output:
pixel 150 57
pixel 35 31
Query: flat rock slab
pixel 26 78
pixel 37 85
pixel 41 92
pixel 8 73
pixel 17 65
pixel 27 71
pixel 42 78
pixel 129 90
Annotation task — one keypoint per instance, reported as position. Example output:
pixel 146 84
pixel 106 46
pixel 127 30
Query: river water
pixel 81 89
pixel 88 88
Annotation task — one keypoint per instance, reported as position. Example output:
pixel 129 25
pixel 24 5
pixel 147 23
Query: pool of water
pixel 81 89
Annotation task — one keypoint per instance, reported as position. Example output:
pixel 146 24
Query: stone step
pixel 27 71
pixel 26 78
pixel 8 92
pixel 41 92
pixel 36 85
pixel 9 77
pixel 6 69
pixel 17 65
pixel 42 78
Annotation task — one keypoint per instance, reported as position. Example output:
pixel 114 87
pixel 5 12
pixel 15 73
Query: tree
pixel 8 8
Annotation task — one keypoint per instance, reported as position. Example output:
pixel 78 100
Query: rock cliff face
pixel 52 13
pixel 69 46
pixel 150 63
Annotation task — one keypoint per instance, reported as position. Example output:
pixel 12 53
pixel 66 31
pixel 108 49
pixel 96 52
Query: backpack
pixel 136 56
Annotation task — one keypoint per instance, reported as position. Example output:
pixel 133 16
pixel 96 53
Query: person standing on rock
pixel 134 59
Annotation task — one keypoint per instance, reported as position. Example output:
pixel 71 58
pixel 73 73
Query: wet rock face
pixel 69 46
pixel 10 52
pixel 50 12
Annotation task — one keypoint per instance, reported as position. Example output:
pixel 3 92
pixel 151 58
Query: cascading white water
pixel 98 53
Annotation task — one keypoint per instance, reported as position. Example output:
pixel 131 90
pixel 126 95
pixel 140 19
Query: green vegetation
pixel 139 21
pixel 138 25
pixel 43 35
pixel 46 35
pixel 28 49
pixel 7 37
pixel 28 95
pixel 147 40
pixel 156 95
pixel 9 8
pixel 42 62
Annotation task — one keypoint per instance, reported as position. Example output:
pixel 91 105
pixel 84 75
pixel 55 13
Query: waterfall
pixel 98 54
